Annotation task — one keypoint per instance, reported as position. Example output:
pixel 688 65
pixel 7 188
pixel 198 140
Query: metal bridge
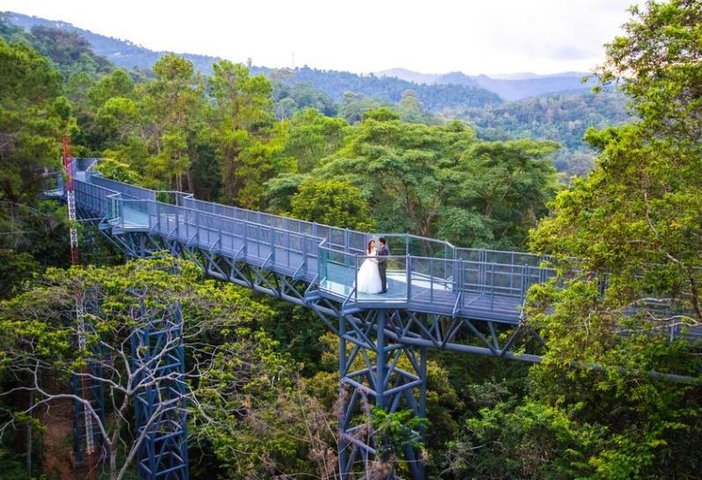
pixel 439 296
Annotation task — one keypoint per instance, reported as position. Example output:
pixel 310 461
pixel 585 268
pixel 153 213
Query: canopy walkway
pixel 439 296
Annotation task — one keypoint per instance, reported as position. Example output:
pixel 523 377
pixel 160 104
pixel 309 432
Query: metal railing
pixel 422 272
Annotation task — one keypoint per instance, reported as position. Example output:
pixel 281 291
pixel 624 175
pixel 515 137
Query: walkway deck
pixel 423 275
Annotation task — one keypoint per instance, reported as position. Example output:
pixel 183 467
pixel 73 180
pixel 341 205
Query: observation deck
pixel 424 275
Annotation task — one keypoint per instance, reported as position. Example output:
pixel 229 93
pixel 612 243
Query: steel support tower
pixel 440 297
pixel 160 408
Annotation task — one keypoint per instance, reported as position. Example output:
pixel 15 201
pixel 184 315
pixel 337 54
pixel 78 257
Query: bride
pixel 368 279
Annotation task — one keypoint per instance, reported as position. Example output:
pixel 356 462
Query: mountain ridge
pixel 124 53
pixel 518 87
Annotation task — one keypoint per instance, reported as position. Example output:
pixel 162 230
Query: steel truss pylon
pixel 160 408
pixel 389 376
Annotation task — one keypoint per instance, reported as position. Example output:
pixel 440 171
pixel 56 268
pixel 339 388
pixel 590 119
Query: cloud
pixel 544 36
pixel 570 53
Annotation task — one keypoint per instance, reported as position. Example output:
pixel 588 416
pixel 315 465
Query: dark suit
pixel 383 251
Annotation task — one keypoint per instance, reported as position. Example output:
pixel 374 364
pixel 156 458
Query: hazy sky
pixel 430 36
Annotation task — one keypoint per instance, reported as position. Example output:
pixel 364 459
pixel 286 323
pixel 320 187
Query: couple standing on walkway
pixel 372 274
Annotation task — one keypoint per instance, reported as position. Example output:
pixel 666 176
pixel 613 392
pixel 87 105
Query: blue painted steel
pixel 440 296
pixel 160 409
pixel 428 275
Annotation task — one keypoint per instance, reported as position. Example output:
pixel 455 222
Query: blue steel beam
pixel 440 296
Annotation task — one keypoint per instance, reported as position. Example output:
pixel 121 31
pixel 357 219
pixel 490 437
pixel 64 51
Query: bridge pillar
pixel 378 375
pixel 160 408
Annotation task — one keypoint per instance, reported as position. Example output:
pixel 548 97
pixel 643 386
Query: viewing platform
pixel 424 274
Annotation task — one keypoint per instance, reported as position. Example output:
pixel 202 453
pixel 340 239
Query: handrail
pixel 430 270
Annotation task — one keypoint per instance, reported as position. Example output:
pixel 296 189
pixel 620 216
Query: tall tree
pixel 627 242
pixel 242 130
pixel 312 136
pixel 172 106
pixel 443 180
pixel 236 385
pixel 32 119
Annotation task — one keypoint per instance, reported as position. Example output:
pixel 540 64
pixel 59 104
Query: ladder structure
pixel 85 436
pixel 439 296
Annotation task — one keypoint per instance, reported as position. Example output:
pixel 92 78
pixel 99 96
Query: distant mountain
pixel 122 53
pixel 432 89
pixel 409 75
pixel 557 107
pixel 516 86
pixel 435 98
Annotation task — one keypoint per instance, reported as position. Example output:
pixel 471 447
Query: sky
pixel 361 36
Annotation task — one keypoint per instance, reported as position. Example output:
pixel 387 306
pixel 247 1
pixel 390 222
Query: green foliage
pixel 354 106
pixel 432 180
pixel 291 97
pixel 247 393
pixel 242 130
pixel 117 171
pixel 530 441
pixel 331 202
pixel 395 431
pixel 592 410
pixel 30 120
pixel 634 224
pixel 280 190
pixel 312 136
pixel 71 52
pixel 33 238
pixel 563 118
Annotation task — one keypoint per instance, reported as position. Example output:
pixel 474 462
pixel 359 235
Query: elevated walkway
pixel 424 275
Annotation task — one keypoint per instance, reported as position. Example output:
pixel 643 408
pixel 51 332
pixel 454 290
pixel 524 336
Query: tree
pixel 631 231
pixel 229 361
pixel 509 184
pixel 443 180
pixel 172 105
pixel 354 105
pixel 32 119
pixel 637 215
pixel 242 129
pixel 312 136
pixel 117 83
pixel 331 202
pixel 410 108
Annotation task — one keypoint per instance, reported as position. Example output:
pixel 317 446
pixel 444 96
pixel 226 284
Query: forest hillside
pixel 601 376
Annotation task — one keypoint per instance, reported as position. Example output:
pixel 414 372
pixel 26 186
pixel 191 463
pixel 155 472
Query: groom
pixel 383 251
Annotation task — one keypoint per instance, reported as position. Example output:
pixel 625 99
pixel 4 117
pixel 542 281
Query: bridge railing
pixel 422 271
pixel 339 238
pixel 262 244
pixel 447 284
pixel 500 256
pixel 93 197
pixel 131 191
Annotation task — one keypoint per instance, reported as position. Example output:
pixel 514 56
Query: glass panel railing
pixel 429 247
pixel 500 256
pixel 124 188
pixel 434 281
pixel 114 208
pixel 398 279
pixel 322 258
pixel 335 274
pixel 174 197
pixel 133 214
pixel 396 242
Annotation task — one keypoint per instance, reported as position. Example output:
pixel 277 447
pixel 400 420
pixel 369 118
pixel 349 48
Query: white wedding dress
pixel 368 279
